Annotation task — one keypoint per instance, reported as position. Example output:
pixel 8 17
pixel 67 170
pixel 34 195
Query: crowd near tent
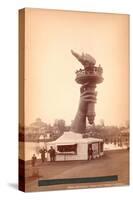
pixel 72 146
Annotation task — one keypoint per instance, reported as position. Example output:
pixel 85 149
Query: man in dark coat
pixel 43 151
pixel 90 154
pixel 52 154
pixel 33 161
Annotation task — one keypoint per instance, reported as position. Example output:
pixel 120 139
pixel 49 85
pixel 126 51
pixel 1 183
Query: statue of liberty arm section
pixel 88 78
pixel 79 123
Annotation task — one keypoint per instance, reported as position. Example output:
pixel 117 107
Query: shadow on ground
pixel 13 185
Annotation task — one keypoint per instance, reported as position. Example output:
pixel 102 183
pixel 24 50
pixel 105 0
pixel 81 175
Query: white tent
pixel 72 146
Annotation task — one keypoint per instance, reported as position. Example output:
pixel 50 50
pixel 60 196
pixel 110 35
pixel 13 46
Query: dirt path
pixel 113 163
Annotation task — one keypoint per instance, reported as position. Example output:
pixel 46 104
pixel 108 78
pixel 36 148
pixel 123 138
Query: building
pixel 41 131
pixel 72 146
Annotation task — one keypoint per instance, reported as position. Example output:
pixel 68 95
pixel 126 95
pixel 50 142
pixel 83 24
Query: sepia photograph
pixel 73 99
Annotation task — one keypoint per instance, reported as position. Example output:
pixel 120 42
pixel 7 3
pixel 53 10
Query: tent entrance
pixel 90 152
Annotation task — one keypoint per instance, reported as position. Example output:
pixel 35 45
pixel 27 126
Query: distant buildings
pixel 41 131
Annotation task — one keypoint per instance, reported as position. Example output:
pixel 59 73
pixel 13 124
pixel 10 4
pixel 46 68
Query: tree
pixel 60 124
pixel 102 122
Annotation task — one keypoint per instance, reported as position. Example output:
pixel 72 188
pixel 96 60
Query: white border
pixel 9 95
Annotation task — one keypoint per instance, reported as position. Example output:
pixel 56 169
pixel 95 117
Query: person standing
pixel 34 170
pixel 33 161
pixel 90 154
pixel 52 153
pixel 43 151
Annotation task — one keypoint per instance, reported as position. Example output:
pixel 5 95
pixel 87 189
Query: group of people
pixel 52 154
pixel 43 152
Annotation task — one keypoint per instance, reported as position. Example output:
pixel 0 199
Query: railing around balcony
pixel 91 71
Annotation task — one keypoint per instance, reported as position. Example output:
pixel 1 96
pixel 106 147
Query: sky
pixel 50 88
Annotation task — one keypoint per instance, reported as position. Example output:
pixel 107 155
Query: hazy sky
pixel 51 90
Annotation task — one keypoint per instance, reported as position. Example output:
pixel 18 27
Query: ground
pixel 112 163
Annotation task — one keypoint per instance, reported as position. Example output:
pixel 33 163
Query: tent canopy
pixel 73 138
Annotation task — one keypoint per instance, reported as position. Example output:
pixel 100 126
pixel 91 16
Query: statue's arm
pixel 79 123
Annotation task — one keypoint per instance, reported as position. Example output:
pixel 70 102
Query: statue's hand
pixel 84 98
